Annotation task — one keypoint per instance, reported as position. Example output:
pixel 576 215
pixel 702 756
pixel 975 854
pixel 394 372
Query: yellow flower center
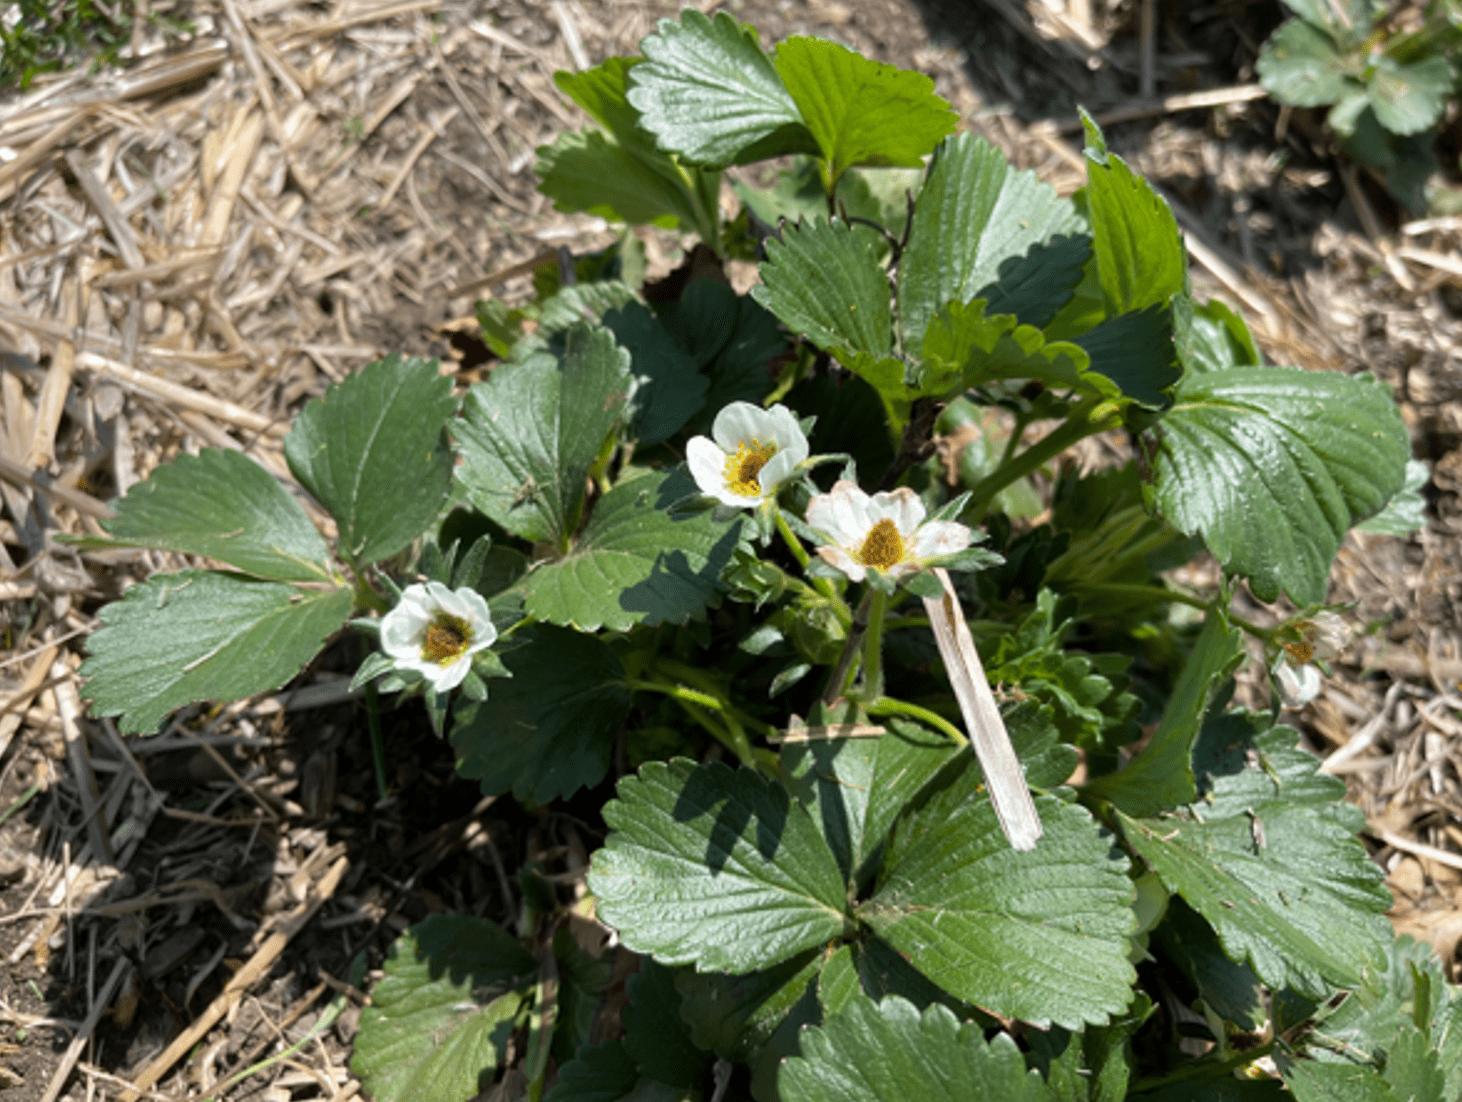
pixel 446 638
pixel 743 468
pixel 883 547
pixel 1304 650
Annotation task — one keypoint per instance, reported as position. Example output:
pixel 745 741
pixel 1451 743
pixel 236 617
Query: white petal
pixel 940 537
pixel 707 464
pixel 839 559
pixel 1331 634
pixel 1297 687
pixel 838 515
pixel 451 675
pixel 903 507
pixel 787 433
pixel 741 422
pixel 778 469
pixel 401 630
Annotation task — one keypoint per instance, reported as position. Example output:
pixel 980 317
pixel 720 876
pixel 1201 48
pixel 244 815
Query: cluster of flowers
pixel 751 453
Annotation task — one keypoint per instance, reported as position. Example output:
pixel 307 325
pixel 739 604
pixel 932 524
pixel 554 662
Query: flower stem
pixel 373 723
pixel 842 673
pixel 707 685
pixel 824 586
pixel 698 705
pixel 890 706
pixel 873 646
pixel 1078 425
pixel 1158 594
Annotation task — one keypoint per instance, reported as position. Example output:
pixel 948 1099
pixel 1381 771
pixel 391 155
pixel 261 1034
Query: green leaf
pixel 861 112
pixel 854 788
pixel 603 94
pixel 1141 259
pixel 1039 935
pixel 601 1073
pixel 531 432
pixel 1094 1065
pixel 966 346
pixel 582 980
pixel 585 171
pixel 203 635
pixel 580 303
pixel 735 1016
pixel 1274 465
pixel 710 95
pixel 655 1034
pixel 717 867
pixel 732 339
pixel 1034 287
pixel 221 505
pixel 1409 98
pixel 1230 990
pixel 1136 352
pixel 1406 511
pixel 635 563
pixel 1312 1082
pixel 889 1052
pixel 372 451
pixel 441 1019
pixel 1270 861
pixel 978 223
pixel 1161 777
pixel 824 281
pixel 670 390
pixel 1217 339
pixel 550 728
pixel 1300 66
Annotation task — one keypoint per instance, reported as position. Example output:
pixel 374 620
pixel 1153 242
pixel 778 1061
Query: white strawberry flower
pixel 885 532
pixel 751 451
pixel 435 631
pixel 1322 637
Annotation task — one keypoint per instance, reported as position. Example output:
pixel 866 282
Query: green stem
pixel 373 723
pixel 873 646
pixel 837 682
pixel 890 706
pixel 1078 425
pixel 707 685
pixel 1158 594
pixel 729 732
pixel 823 586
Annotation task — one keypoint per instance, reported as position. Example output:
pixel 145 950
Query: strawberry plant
pixel 705 549
pixel 1386 91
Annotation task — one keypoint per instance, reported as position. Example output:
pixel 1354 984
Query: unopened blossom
pixel 751 451
pixel 1322 637
pixel 435 631
pixel 884 532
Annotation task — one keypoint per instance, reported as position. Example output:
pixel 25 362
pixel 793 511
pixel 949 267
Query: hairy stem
pixel 890 706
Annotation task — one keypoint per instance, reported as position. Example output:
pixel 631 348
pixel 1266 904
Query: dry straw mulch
pixel 193 247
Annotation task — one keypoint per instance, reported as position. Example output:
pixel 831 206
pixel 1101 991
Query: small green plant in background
pixel 1387 91
pixel 710 538
pixel 43 36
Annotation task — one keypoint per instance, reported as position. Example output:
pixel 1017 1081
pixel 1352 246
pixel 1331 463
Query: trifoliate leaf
pixel 856 787
pixel 1141 259
pixel 717 867
pixel 1161 777
pixel 372 451
pixel 975 216
pixel 1300 66
pixel 551 727
pixel 442 1018
pixel 656 1034
pixel 1039 935
pixel 710 95
pixel 1409 98
pixel 823 281
pixel 1274 465
pixel 861 112
pixel 889 1052
pixel 203 635
pixel 1406 511
pixel 221 505
pixel 531 432
pixel 669 391
pixel 635 562
pixel 1269 859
